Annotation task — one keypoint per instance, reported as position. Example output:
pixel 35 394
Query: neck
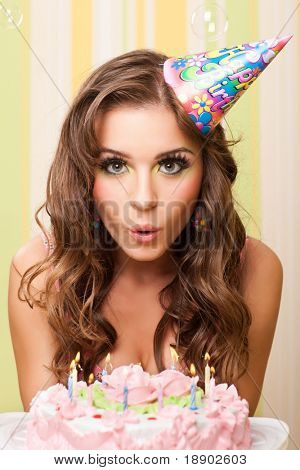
pixel 145 271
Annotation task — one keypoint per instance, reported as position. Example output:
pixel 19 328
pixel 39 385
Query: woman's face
pixel 140 186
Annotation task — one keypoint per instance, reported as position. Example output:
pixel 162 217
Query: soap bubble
pixel 209 21
pixel 10 14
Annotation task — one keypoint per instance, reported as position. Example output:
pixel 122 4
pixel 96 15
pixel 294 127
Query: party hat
pixel 209 83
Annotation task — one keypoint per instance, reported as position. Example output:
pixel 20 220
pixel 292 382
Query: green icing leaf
pixel 183 400
pixel 145 408
pixel 82 394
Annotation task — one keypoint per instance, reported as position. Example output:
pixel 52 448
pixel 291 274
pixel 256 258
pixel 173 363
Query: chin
pixel 145 253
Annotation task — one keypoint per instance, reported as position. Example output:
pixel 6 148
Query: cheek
pixel 188 192
pixel 108 198
pixel 183 202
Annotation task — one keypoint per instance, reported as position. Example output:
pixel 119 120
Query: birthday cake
pixel 132 409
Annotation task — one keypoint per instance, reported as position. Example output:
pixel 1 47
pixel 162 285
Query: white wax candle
pixel 207 379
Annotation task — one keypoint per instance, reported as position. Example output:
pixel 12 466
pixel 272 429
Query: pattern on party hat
pixel 209 83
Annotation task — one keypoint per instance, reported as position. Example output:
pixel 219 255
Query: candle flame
pixel 193 369
pixel 107 359
pixel 174 354
pixel 91 378
pixel 207 357
pixel 77 358
pixel 72 365
pixel 213 371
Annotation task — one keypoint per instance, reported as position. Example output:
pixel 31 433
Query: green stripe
pixel 14 182
pixel 243 118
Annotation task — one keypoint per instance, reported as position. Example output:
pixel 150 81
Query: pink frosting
pixel 117 420
pixel 173 382
pixel 138 382
pixel 222 431
pixel 71 409
pixel 56 394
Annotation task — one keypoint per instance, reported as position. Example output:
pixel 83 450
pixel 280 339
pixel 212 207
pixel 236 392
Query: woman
pixel 129 155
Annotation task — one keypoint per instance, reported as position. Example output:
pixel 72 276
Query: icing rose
pixel 140 388
pixel 226 395
pixel 172 381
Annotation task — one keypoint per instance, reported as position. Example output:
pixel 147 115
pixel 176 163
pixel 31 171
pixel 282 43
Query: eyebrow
pixel 162 154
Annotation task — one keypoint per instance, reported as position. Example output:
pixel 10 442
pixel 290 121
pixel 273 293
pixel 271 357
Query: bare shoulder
pixel 32 252
pixel 262 279
pixel 33 341
pixel 261 265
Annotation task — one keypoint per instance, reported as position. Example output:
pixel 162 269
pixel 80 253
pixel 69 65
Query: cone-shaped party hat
pixel 209 83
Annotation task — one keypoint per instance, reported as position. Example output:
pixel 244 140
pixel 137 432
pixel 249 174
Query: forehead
pixel 129 129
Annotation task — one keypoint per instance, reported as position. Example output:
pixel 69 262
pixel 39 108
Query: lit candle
pixel 107 364
pixel 207 374
pixel 77 358
pixel 194 380
pixel 90 389
pixel 174 357
pixel 74 380
pixel 70 380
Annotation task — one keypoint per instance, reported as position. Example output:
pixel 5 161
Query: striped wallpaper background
pixel 43 62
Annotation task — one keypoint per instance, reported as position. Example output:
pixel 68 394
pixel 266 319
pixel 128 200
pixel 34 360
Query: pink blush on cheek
pixel 103 192
pixel 106 190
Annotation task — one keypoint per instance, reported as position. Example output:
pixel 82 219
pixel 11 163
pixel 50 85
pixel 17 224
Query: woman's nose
pixel 143 194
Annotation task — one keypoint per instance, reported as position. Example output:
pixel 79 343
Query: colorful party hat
pixel 209 83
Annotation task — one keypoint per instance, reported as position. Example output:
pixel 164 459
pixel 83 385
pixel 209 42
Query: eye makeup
pixel 173 158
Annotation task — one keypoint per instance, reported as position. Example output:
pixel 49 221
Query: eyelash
pixel 172 158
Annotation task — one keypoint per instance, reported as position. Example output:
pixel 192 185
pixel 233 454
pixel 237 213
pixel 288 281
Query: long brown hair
pixel 203 301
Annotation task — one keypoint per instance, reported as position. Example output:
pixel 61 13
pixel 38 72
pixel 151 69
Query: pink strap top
pixel 49 246
pixel 48 242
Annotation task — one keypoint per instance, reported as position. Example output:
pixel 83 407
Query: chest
pixel 135 313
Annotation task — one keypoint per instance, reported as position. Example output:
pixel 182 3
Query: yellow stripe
pixel 171 26
pixel 81 41
pixel 140 24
